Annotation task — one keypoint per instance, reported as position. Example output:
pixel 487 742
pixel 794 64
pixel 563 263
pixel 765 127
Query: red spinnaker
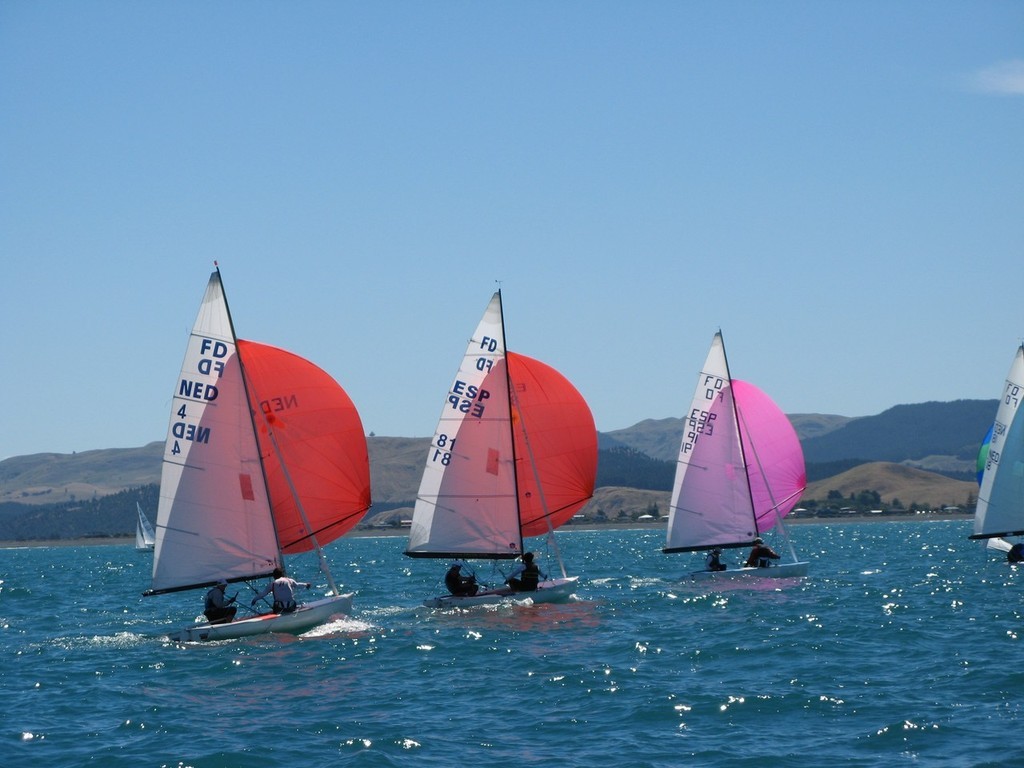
pixel 319 437
pixel 561 439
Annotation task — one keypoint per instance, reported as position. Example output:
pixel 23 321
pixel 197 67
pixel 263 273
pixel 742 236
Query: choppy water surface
pixel 901 647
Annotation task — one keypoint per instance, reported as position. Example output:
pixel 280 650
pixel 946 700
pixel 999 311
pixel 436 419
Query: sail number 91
pixel 700 423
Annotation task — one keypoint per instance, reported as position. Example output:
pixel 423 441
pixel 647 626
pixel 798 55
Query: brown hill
pixel 896 481
pixel 616 503
pixel 395 467
pixel 396 464
pixel 54 478
pixel 607 505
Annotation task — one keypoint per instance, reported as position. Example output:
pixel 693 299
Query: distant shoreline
pixel 372 532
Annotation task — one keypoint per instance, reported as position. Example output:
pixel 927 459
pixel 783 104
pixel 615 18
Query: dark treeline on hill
pixel 630 468
pixel 104 516
pixel 904 433
pixel 908 432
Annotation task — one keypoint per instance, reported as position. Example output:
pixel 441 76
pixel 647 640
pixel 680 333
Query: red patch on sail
pixel 562 445
pixel 492 461
pixel 245 483
pixel 317 452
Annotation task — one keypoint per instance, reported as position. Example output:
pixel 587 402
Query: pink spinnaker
pixel 775 460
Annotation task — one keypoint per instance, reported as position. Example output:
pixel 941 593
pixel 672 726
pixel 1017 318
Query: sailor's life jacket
pixel 530 578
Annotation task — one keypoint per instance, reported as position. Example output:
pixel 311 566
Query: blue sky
pixel 839 187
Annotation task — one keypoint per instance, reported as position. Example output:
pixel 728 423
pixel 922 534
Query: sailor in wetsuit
pixel 713 562
pixel 283 588
pixel 218 609
pixel 1016 553
pixel 459 585
pixel 761 555
pixel 526 576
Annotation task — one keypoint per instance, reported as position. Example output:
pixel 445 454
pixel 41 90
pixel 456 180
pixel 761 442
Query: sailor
pixel 283 588
pixel 761 555
pixel 713 562
pixel 218 608
pixel 526 576
pixel 458 584
pixel 1016 553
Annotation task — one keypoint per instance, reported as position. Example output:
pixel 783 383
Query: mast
pixel 514 401
pixel 767 485
pixel 511 421
pixel 325 569
pixel 739 433
pixel 248 400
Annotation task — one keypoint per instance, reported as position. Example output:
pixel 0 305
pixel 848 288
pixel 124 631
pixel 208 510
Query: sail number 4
pixel 192 433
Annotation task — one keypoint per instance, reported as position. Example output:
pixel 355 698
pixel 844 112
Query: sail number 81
pixel 443 448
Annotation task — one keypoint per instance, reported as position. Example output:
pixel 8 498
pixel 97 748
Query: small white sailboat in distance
pixel 1000 508
pixel 740 470
pixel 265 457
pixel 514 455
pixel 144 538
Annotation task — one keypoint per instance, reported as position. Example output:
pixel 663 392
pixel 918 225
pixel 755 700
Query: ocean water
pixel 902 647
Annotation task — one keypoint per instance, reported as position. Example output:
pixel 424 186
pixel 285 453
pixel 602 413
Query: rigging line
pixel 764 476
pixel 324 567
pixel 536 478
pixel 739 432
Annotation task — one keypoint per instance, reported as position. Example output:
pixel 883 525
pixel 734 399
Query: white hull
pixel 999 545
pixel 304 618
pixel 783 571
pixel 550 591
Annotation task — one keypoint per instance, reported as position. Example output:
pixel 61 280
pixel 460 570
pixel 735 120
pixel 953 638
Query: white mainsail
pixel 214 518
pixel 1000 508
pixel 467 500
pixel 711 502
pixel 144 538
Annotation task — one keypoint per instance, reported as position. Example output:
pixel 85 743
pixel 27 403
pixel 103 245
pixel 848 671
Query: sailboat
pixel 514 456
pixel 143 531
pixel 1000 508
pixel 740 470
pixel 996 543
pixel 265 457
